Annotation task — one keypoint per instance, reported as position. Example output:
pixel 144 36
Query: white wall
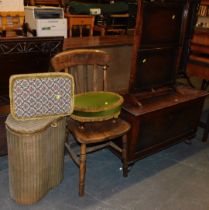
pixel 11 5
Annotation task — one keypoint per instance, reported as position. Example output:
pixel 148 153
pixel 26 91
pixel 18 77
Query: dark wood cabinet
pixel 160 112
pixel 20 56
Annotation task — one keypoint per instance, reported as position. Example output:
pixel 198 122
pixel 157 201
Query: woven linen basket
pixel 36 133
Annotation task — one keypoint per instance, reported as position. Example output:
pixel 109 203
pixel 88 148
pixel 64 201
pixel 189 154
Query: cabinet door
pixel 161 22
pixel 167 125
pixel 155 68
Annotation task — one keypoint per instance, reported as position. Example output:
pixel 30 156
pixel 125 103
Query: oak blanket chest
pixel 160 112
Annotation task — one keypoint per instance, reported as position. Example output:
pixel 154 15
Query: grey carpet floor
pixel 174 179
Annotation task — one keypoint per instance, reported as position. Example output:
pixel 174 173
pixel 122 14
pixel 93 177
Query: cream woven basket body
pixel 36 131
pixel 35 153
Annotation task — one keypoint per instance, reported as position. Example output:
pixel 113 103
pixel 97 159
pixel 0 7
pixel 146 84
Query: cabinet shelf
pixel 204 2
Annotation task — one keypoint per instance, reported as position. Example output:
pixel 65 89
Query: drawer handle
pixel 173 17
pixel 144 60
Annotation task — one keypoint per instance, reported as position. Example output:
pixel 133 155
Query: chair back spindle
pixel 89 68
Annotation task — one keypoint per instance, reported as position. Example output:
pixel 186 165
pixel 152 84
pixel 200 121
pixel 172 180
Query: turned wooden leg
pixel 82 169
pixel 124 156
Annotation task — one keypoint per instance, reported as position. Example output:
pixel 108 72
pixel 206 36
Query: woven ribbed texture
pixel 31 126
pixel 36 162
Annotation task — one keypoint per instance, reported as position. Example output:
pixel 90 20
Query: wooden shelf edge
pixel 204 2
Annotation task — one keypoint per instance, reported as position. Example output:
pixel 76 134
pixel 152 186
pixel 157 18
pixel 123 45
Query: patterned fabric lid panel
pixel 36 96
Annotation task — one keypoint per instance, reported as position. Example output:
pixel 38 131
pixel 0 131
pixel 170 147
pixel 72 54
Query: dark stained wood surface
pixel 97 42
pixel 200 41
pixel 26 55
pixel 160 113
pixel 198 65
pixel 161 99
pixel 19 56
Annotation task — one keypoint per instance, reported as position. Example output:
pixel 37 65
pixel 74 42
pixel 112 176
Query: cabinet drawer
pixel 155 68
pixel 81 21
pixel 161 23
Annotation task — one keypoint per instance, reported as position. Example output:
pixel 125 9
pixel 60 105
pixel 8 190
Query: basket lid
pixel 29 126
pixel 37 96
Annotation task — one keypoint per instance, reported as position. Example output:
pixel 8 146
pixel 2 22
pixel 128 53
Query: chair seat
pixel 98 131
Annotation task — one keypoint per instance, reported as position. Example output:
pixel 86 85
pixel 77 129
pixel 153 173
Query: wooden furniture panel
pixel 80 21
pixel 161 22
pixel 45 2
pixel 160 112
pixel 198 63
pixel 161 121
pixel 155 68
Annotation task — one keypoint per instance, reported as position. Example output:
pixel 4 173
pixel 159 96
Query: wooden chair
pixel 90 134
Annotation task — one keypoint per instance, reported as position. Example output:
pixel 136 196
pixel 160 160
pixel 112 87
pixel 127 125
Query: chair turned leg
pixel 124 156
pixel 82 169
